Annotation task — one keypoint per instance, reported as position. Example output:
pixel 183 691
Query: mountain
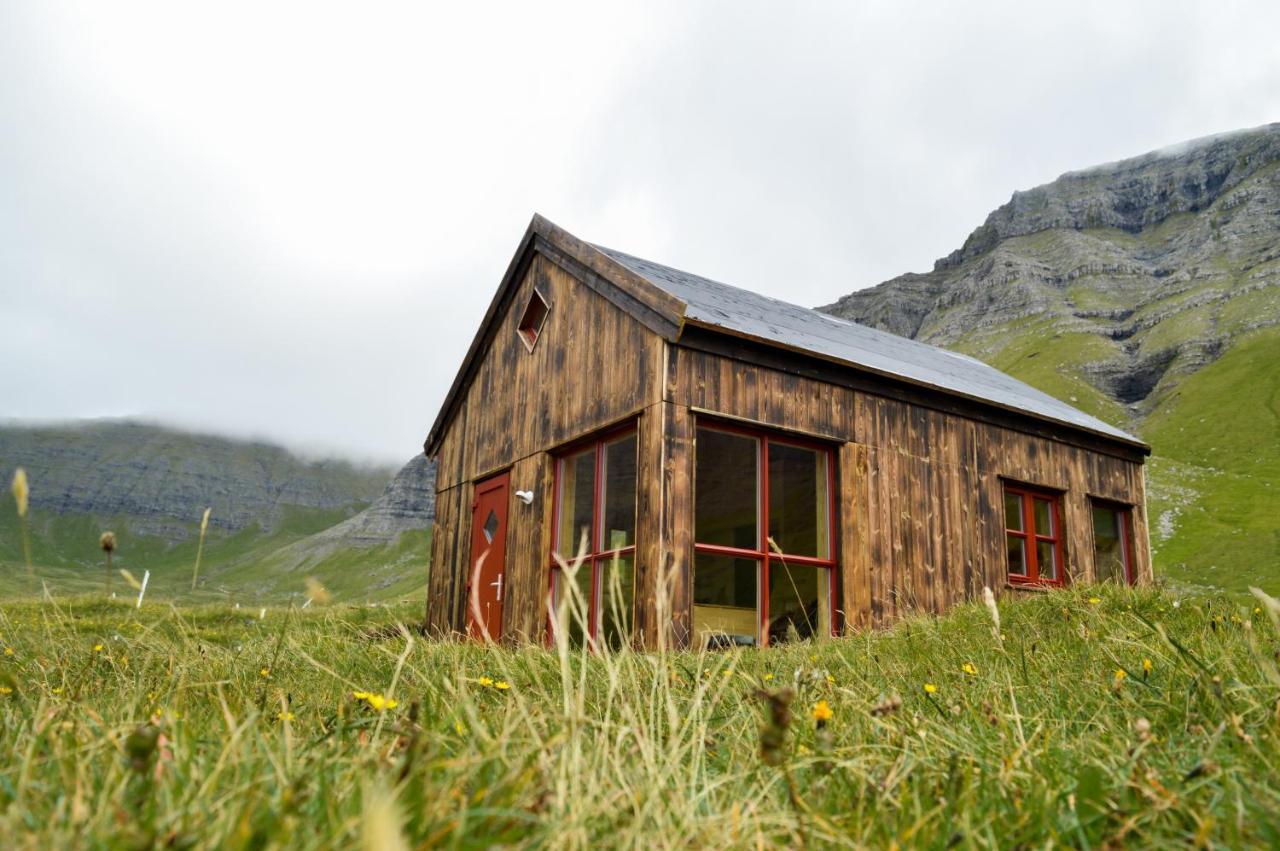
pixel 276 518
pixel 1146 292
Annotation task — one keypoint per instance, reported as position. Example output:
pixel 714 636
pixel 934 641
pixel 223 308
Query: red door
pixel 488 558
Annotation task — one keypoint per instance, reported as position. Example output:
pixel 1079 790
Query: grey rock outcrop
pixel 1164 258
pixel 408 502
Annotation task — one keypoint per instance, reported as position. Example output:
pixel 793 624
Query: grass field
pixel 1089 717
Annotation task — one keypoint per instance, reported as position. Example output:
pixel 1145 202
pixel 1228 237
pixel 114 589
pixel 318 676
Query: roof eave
pixel 1127 440
pixel 657 309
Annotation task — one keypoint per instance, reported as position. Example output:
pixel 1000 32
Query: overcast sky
pixel 287 221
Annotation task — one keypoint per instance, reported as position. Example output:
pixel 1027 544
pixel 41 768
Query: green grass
pixel 206 728
pixel 1223 424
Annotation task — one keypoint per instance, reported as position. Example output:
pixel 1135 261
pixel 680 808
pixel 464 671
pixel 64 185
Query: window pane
pixel 1047 559
pixel 1044 518
pixel 1108 545
pixel 577 491
pixel 725 594
pixel 618 502
pixel 1013 512
pixel 799 601
pixel 725 488
pixel 573 602
pixel 1016 548
pixel 617 595
pixel 798 500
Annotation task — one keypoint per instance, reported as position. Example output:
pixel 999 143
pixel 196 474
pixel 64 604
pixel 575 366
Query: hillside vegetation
pixel 1145 292
pixel 275 518
pixel 1088 717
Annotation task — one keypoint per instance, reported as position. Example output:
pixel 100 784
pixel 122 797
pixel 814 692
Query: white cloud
pixel 288 219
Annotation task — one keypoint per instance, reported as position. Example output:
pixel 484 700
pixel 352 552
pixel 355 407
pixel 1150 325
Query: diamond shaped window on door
pixel 490 527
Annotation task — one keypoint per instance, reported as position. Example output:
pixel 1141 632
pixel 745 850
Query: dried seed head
pixel 316 592
pixel 20 490
pixel 888 706
pixel 1142 728
pixel 990 600
pixel 204 521
pixel 107 540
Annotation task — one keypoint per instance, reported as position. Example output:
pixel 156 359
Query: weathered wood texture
pixel 921 500
pixel 528 549
pixel 450 546
pixel 593 366
pixel 664 534
pixel 854 547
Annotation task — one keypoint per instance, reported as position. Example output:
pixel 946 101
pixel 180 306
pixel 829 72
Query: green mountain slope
pixel 276 519
pixel 1146 292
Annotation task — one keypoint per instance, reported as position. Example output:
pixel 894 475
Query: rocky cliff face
pixel 162 479
pixel 1146 292
pixel 408 502
pixel 1162 259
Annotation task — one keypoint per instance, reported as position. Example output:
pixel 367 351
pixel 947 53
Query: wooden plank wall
pixel 593 366
pixel 921 499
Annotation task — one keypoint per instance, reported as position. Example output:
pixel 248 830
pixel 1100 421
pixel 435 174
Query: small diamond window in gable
pixel 535 313
pixel 490 527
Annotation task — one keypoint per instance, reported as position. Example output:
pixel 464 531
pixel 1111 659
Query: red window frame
pixel 593 558
pixel 1030 537
pixel 764 555
pixel 1125 513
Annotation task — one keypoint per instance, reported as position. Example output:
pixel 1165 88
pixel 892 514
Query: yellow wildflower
pixel 969 668
pixel 5 690
pixel 284 716
pixel 485 681
pixel 768 677
pixel 930 688
pixel 1147 666
pixel 1120 675
pixel 831 680
pixel 822 711
pixel 502 685
pixel 375 700
pixel 264 672
pixel 458 728
pixel 8 651
pixel 1093 601
pixel 97 648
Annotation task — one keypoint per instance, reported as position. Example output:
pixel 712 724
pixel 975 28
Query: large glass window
pixel 596 518
pixel 763 562
pixel 1033 536
pixel 1113 543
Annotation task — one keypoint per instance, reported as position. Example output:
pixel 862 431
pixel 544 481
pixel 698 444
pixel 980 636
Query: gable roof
pixel 666 299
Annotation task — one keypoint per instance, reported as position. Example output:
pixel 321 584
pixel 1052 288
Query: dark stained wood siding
pixel 593 366
pixel 919 485
pixel 920 490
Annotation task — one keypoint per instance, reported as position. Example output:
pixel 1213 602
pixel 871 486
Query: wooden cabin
pixel 741 471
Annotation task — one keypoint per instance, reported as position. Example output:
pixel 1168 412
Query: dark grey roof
pixel 772 321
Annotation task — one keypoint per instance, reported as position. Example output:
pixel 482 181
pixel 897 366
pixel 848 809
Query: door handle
pixel 498 584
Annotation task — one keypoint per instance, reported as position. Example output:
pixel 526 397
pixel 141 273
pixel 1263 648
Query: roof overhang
pixel 650 305
pixel 665 315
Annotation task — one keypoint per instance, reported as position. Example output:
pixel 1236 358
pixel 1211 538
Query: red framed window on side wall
pixel 1113 559
pixel 1033 536
pixel 595 513
pixel 764 560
